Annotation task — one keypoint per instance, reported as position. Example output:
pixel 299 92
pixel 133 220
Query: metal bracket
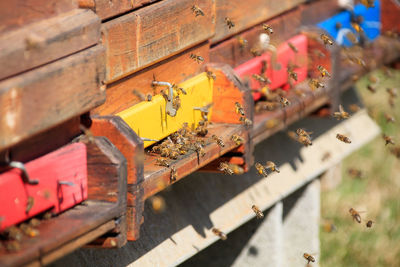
pixel 169 109
pixel 24 174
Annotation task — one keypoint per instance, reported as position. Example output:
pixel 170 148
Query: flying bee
pixel 302 132
pixel 236 168
pixel 261 79
pixel 355 173
pixel 218 232
pixel 341 114
pixel 391 102
pixel 224 167
pixel 245 121
pixel 229 23
pixel 198 59
pixel 302 139
pixel 372 78
pixel 268 29
pixel 174 174
pixel 371 88
pixel 323 71
pixel 218 140
pixel 239 109
pixel 329 227
pixel 369 224
pixel 343 138
pixel 308 257
pixel 293 47
pixel 258 212
pixel 368 3
pixel 315 84
pixel 243 43
pixel 272 166
pixel 158 204
pixel 355 214
pixel 395 151
pixel 211 75
pixel 292 74
pixel 392 92
pixel 162 162
pixel 261 169
pixel 325 38
pixel 389 118
pixel 197 11
pixel 387 71
pixel 284 101
pixel 237 139
pixel 388 139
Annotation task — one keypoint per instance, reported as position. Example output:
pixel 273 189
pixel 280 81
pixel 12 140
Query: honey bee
pixel 266 105
pixel 237 139
pixel 368 3
pixel 268 29
pixel 158 204
pixel 302 139
pixel 201 130
pixel 261 78
pixel 229 23
pixel 355 173
pixel 369 224
pixel 236 168
pixel 323 71
pixel 239 108
pixel 14 233
pixel 141 96
pixel 197 11
pixel 329 227
pixel 174 154
pixel 29 204
pixel 13 246
pixel 261 169
pixel 198 59
pixel 356 216
pixel 315 84
pixel 308 257
pixel 343 138
pixel 29 230
pixel 325 38
pixel 284 101
pixel 341 114
pixel 211 75
pixel 199 149
pixel 174 174
pixel 388 139
pixel 245 121
pixel 354 108
pixel 389 118
pixel 224 167
pixel 373 78
pixel 357 61
pixel 221 235
pixel 263 66
pixel 302 132
pixel 34 222
pixel 392 92
pixel 218 140
pixel 258 212
pixel 255 52
pixel 243 43
pixel 179 89
pixel 293 47
pixel 391 102
pixel 271 166
pixel 162 162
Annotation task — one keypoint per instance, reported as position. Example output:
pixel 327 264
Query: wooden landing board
pixel 47 40
pixel 153 33
pixel 44 97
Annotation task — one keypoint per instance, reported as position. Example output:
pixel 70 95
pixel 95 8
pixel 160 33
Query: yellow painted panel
pixel 149 119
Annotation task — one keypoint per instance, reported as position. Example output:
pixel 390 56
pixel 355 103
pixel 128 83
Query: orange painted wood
pixel 44 97
pixel 246 14
pixel 176 69
pixel 153 33
pixel 390 15
pixel 47 40
pixel 18 13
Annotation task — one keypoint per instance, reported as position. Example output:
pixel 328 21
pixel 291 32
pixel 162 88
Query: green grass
pixel 378 193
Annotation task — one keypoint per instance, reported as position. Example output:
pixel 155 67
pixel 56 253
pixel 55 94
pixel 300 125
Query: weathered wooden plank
pixel 42 98
pixel 41 42
pixel 245 14
pixel 176 69
pixel 17 13
pixel 153 33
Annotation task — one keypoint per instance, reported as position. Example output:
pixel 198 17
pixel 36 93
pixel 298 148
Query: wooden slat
pixel 47 40
pixel 175 69
pixel 42 98
pixel 245 14
pixel 17 13
pixel 153 33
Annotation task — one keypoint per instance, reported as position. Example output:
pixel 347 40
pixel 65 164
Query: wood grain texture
pixel 153 33
pixel 42 98
pixel 245 14
pixel 50 39
pixel 175 69
pixel 390 16
pixel 17 13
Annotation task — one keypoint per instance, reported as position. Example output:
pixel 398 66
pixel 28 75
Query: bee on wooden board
pixel 198 59
pixel 388 139
pixel 326 39
pixel 261 169
pixel 229 23
pixel 272 166
pixel 237 139
pixel 218 140
pixel 201 130
pixel 239 108
pixel 245 121
pixel 324 72
pixel 197 11
pixel 220 234
pixel 174 174
pixel 284 101
pixel 268 29
pixel 389 118
pixel 355 214
pixel 309 258
pixel 343 138
pixel 162 162
pixel 341 114
pixel 29 230
pixel 258 212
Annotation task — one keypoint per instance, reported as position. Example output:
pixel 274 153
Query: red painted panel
pixel 279 78
pixel 67 164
